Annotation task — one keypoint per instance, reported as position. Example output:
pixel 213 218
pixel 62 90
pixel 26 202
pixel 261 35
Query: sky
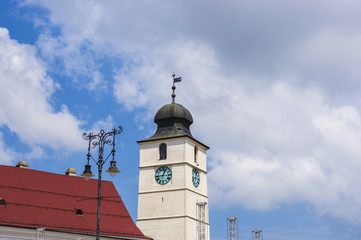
pixel 273 86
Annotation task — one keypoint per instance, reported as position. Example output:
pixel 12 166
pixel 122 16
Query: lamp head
pixel 87 174
pixel 112 170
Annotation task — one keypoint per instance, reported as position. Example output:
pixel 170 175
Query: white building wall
pixel 169 212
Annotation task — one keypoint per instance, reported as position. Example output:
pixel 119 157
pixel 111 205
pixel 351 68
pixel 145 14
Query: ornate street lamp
pixel 100 140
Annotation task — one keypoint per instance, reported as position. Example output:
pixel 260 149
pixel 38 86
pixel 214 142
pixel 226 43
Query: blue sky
pixel 273 87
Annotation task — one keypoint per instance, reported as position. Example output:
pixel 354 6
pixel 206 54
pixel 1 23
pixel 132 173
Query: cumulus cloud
pixel 7 155
pixel 296 149
pixel 26 90
pixel 272 87
pixel 105 124
pixel 264 39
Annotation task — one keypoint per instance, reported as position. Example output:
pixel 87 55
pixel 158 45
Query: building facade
pixel 42 205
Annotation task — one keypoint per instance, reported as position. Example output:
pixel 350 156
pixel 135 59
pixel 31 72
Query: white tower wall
pixel 169 212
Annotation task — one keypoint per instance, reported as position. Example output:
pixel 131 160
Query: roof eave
pixel 77 232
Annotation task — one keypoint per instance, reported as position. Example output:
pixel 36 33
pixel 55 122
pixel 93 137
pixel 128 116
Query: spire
pixel 178 79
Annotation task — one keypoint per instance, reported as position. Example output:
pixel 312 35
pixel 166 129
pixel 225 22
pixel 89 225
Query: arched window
pixel 163 151
pixel 195 153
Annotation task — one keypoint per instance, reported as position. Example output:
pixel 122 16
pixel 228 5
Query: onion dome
pixel 173 120
pixel 173 110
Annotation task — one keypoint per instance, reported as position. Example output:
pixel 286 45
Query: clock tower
pixel 172 198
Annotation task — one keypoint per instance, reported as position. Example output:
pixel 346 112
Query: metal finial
pixel 178 79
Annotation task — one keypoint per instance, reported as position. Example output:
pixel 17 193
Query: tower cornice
pixel 171 138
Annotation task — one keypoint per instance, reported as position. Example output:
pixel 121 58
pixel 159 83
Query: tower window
pixel 163 151
pixel 195 153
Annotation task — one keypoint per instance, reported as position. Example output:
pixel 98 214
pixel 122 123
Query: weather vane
pixel 175 80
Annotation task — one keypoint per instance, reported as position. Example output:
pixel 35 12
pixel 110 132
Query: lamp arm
pixel 93 159
pixel 108 156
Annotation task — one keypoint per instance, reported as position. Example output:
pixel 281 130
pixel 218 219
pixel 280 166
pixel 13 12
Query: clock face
pixel 163 175
pixel 195 177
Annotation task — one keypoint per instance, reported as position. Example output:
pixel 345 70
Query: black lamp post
pixel 100 140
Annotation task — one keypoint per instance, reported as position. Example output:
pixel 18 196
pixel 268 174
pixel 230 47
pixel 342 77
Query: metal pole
pixel 99 199
pixel 100 167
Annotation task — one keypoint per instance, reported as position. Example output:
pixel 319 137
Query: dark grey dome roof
pixel 173 110
pixel 173 120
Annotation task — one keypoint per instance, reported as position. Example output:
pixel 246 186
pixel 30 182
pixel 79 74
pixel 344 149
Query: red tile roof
pixel 40 199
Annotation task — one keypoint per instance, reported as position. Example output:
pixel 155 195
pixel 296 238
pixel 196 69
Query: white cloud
pixel 296 148
pixel 26 90
pixel 7 155
pixel 105 124
pixel 263 82
pixel 97 83
pixel 74 59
